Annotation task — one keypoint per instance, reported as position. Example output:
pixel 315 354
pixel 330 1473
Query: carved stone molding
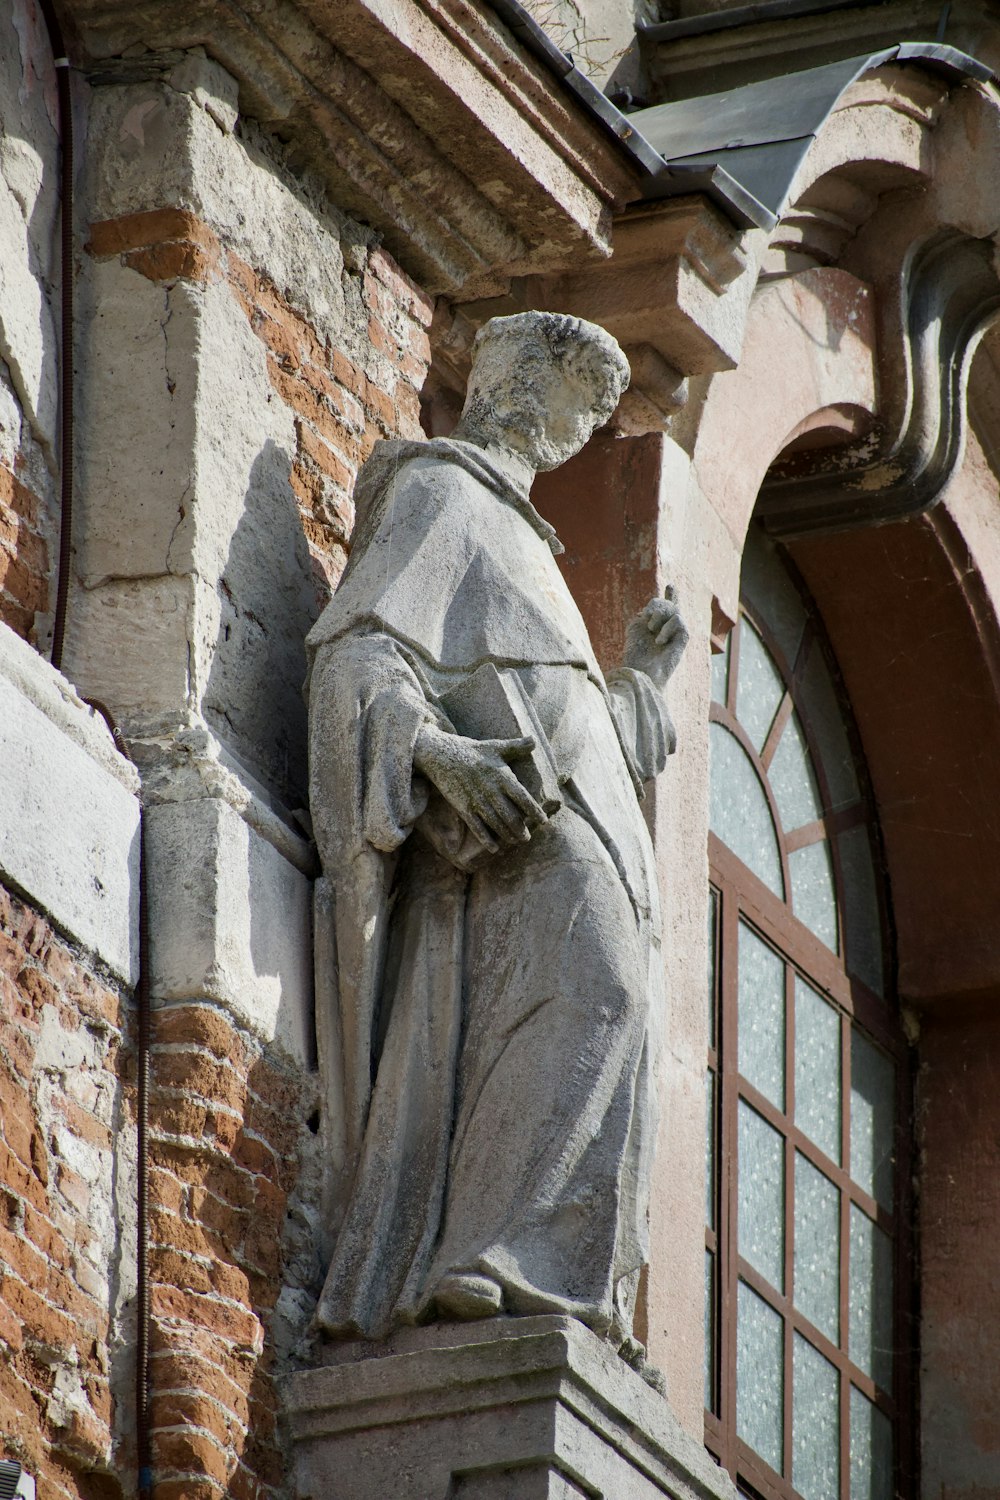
pixel 675 296
pixel 949 294
pixel 425 118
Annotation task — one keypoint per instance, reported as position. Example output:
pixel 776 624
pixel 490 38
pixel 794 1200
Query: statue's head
pixel 541 383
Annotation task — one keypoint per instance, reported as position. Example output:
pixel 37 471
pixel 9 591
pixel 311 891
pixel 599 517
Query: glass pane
pixel 817 1069
pixel 760 687
pixel 761 1017
pixel 720 673
pixel 709 1331
pixel 863 927
pixel 815 1424
pixel 870 1342
pixel 821 710
pixel 871 1450
pixel 740 815
pixel 713 954
pixel 759 1376
pixel 710 1151
pixel 766 584
pixel 873 1113
pixel 792 781
pixel 817 1248
pixel 813 898
pixel 761 1196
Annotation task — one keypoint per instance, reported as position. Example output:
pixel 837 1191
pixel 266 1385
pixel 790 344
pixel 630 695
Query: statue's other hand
pixel 474 776
pixel 656 638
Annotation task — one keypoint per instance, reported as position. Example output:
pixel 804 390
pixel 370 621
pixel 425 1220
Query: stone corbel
pixel 945 299
pixel 675 295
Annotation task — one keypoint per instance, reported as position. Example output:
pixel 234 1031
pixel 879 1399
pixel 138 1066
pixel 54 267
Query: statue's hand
pixel 473 775
pixel 656 638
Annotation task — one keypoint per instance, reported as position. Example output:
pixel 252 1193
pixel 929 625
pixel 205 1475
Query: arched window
pixel 806 1392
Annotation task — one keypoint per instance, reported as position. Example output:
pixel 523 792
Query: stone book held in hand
pixel 491 704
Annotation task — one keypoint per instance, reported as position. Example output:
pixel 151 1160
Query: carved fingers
pixel 474 776
pixel 657 638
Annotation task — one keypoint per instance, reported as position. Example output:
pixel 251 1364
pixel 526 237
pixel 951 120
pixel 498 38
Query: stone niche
pixel 528 1408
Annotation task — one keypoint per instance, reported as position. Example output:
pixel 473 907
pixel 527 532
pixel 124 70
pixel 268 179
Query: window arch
pixel 806 1389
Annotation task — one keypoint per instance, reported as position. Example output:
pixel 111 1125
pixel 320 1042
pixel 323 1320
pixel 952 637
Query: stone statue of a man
pixel 475 795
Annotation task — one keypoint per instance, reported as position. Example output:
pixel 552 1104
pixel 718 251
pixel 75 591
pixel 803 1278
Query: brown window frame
pixel 740 894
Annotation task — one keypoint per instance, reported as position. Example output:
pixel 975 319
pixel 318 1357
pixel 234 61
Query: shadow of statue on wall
pixel 268 600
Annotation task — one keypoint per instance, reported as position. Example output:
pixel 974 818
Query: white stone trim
pixel 69 810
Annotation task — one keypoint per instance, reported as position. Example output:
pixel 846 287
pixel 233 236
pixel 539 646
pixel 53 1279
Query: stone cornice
pixel 425 118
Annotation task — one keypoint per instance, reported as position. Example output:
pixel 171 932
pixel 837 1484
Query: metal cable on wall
pixel 144 1454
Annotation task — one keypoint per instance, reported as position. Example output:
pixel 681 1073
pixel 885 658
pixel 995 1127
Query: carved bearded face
pixel 541 384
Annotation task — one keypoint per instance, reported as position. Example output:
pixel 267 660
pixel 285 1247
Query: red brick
pixel 405 292
pixel 152 227
pixel 192 1453
pixel 17 497
pixel 74 1189
pixel 346 373
pixel 324 456
pixel 236 1325
pixel 30 589
pixel 189 1489
pixel 173 262
pixel 200 1026
pixel 381 339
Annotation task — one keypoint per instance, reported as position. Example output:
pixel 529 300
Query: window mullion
pixel 728 1263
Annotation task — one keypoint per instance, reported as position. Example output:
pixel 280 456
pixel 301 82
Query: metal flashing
pixel 760 134
pixel 741 148
pixel 658 179
pixel 743 15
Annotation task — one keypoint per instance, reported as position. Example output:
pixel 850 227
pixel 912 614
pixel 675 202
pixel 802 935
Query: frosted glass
pixel 759 1376
pixel 821 709
pixel 871 1450
pixel 792 779
pixel 766 584
pixel 760 687
pixel 870 1286
pixel 720 673
pixel 709 1331
pixel 863 927
pixel 873 1113
pixel 761 1017
pixel 710 1150
pixel 813 898
pixel 817 1069
pixel 761 1196
pixel 740 815
pixel 817 1248
pixel 815 1424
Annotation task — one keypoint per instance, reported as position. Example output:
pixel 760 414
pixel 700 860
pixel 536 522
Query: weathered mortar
pixel 66 1255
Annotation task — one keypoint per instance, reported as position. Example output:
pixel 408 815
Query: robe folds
pixel 495 1024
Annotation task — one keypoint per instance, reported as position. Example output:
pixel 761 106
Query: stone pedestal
pixel 532 1408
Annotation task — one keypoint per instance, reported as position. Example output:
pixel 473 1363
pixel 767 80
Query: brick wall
pixel 227 1122
pixel 64 1117
pixel 233 1264
pixel 24 556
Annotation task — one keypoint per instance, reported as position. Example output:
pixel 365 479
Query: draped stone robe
pixel 494 1020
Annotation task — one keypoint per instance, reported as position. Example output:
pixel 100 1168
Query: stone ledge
pixel 69 813
pixel 508 1409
